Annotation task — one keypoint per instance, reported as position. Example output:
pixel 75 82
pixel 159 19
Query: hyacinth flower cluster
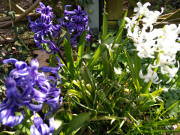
pixel 159 44
pixel 76 22
pixel 26 86
pixel 44 29
pixel 39 128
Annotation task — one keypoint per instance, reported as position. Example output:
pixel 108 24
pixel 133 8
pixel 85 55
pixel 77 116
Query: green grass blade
pixel 166 110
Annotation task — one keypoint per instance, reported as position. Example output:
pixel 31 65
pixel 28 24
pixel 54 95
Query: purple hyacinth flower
pixel 11 91
pixel 76 22
pixel 44 28
pixel 10 105
pixel 45 12
pixel 53 70
pixel 39 128
pixel 26 84
pixel 8 118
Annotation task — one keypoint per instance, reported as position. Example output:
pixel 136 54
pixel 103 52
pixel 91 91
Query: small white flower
pixel 118 71
pixel 150 76
pixel 170 72
pixel 151 17
pixel 165 89
pixel 141 9
pixel 109 47
pixel 130 23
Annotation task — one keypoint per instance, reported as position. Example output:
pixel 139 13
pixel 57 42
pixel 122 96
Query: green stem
pixel 59 54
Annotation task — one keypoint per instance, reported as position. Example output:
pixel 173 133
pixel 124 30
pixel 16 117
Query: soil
pixel 25 4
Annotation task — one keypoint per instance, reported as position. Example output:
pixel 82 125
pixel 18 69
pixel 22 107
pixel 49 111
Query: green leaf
pixel 147 104
pixel 137 65
pixel 69 56
pixel 87 56
pixel 117 53
pixel 160 108
pixel 87 76
pixel 95 57
pixel 24 127
pixel 22 42
pixel 157 92
pixel 105 102
pixel 108 40
pixel 147 87
pixel 106 64
pixel 164 122
pixel 132 70
pixel 81 48
pixel 119 34
pixel 72 92
pixel 76 123
pixel 7 132
pixel 112 118
pixel 51 60
pixel 105 26
pixel 172 106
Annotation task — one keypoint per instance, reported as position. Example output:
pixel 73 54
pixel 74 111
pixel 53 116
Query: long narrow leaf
pixel 106 65
pixel 81 48
pixel 132 70
pixel 69 56
pixel 105 26
pixel 137 65
pixel 166 110
pixel 95 57
pixel 119 50
pixel 77 123
pixel 87 76
pixel 119 34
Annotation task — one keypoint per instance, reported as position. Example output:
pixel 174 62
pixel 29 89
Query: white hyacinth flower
pixel 150 17
pixel 150 42
pixel 141 9
pixel 118 71
pixel 150 76
pixel 170 72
